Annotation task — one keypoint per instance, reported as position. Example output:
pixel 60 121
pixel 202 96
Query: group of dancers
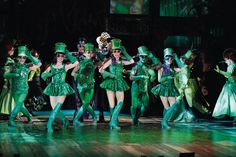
pixel 177 85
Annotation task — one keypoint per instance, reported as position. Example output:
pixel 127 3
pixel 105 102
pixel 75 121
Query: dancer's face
pixel 22 59
pixel 60 57
pixel 228 61
pixel 116 53
pixel 168 60
pixel 88 54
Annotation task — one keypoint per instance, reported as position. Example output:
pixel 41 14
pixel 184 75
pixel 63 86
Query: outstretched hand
pixel 217 69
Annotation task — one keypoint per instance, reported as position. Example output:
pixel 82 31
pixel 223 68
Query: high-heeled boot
pixel 78 115
pixel 93 114
pixel 113 123
pixel 65 121
pixel 52 117
pixel 169 113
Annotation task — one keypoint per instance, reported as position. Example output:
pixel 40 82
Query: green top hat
pixel 168 52
pixel 89 47
pixel 188 54
pixel 143 51
pixel 116 43
pixel 60 47
pixel 22 50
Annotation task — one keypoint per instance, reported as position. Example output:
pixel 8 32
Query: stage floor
pixel 204 138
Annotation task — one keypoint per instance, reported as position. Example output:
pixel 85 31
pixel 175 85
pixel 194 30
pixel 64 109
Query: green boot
pixel 113 123
pixel 13 115
pixel 52 117
pixel 133 113
pixel 93 114
pixel 27 114
pixel 65 121
pixel 169 113
pixel 78 115
pixel 111 112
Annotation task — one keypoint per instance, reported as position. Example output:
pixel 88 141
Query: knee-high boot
pixel 52 117
pixel 64 120
pixel 133 115
pixel 26 113
pixel 171 111
pixel 78 115
pixel 93 114
pixel 13 115
pixel 114 118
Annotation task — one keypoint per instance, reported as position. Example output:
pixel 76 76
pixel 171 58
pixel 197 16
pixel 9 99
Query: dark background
pixel 41 23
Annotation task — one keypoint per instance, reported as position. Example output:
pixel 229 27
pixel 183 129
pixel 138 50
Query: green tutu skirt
pixel 58 89
pixel 114 85
pixel 164 90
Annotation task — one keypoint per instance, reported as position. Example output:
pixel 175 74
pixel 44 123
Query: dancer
pixel 167 89
pixel 142 75
pixel 114 83
pixel 20 85
pixel 84 76
pixel 6 100
pixel 226 102
pixel 58 89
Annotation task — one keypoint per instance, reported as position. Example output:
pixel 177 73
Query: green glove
pixel 127 56
pixel 106 74
pixel 10 75
pixel 71 58
pixel 35 60
pixel 179 63
pixel 46 75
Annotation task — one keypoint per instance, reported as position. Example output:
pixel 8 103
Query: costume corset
pixel 116 69
pixel 60 74
pixel 86 71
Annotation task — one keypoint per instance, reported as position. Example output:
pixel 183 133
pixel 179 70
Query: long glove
pixel 71 58
pixel 10 75
pixel 127 56
pixel 106 74
pixel 140 77
pixel 179 63
pixel 46 75
pixel 35 60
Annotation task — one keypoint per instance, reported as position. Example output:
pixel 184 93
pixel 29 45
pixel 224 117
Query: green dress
pixel 6 100
pixel 58 86
pixel 118 83
pixel 226 102
pixel 166 88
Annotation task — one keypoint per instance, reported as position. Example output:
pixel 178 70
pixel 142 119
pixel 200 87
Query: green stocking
pixel 26 113
pixel 91 111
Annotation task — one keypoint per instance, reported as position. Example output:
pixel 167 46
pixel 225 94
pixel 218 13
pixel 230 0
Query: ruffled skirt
pixel 114 84
pixel 58 89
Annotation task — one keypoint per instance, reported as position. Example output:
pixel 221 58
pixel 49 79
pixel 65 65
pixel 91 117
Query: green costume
pixel 114 79
pixel 226 102
pixel 142 77
pixel 20 85
pixel 58 86
pixel 6 100
pixel 85 84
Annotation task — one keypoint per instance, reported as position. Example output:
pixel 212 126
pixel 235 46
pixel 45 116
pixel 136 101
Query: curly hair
pixel 230 53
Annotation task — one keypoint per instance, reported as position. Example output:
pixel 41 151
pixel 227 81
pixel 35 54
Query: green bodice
pixel 20 84
pixel 60 74
pixel 232 70
pixel 141 83
pixel 117 70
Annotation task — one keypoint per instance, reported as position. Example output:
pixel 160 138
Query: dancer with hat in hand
pixel 114 83
pixel 19 75
pixel 58 89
